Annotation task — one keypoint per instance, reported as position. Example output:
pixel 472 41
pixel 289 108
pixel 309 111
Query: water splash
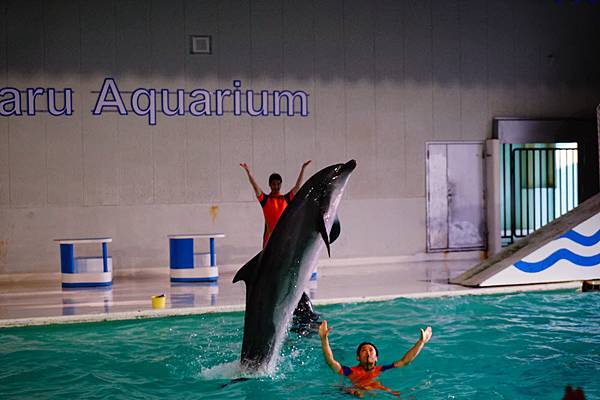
pixel 234 370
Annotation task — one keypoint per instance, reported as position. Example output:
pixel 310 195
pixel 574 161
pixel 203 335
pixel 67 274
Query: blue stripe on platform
pixel 582 239
pixel 86 284
pixel 562 254
pixel 194 279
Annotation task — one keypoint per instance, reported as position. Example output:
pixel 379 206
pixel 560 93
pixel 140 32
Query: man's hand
pixel 323 330
pixel 426 334
pixel 306 163
pixel 245 166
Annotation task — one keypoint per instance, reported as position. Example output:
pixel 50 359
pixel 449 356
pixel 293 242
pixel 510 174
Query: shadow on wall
pixel 474 43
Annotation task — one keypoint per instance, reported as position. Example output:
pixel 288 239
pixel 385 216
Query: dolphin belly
pixel 270 308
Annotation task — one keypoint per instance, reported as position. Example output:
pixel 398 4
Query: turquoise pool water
pixel 518 346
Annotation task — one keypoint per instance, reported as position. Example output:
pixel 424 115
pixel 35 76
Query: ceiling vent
pixel 200 44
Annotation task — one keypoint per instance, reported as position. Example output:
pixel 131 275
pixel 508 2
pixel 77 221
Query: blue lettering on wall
pixel 150 103
pixel 148 106
pixel 10 103
pixel 200 106
pixel 15 102
pixel 67 108
pixel 109 88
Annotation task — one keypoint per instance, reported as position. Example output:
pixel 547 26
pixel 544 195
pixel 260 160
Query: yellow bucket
pixel 159 301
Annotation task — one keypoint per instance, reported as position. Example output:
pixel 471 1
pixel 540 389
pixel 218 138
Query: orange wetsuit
pixel 273 207
pixel 363 379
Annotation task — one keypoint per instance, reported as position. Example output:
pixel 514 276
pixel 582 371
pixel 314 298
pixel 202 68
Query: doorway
pixel 538 183
pixel 455 196
pixel 547 168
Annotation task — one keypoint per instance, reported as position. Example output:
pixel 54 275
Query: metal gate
pixel 539 184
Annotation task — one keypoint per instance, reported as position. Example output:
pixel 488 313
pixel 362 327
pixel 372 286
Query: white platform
pixel 88 271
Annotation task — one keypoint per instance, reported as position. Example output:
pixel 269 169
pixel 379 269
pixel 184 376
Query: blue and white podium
pixel 84 271
pixel 187 266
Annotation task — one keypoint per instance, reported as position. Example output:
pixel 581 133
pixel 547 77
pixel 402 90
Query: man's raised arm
pixel 300 178
pixel 255 186
pixel 327 353
pixel 415 350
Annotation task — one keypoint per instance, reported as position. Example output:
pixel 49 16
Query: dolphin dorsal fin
pixel 248 271
pixel 335 230
pixel 323 232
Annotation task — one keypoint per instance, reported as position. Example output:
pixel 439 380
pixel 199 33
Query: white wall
pixel 383 77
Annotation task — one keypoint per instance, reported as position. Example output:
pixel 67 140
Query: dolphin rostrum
pixel 276 277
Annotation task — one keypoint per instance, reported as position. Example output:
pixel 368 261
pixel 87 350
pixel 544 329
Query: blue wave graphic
pixel 562 254
pixel 582 239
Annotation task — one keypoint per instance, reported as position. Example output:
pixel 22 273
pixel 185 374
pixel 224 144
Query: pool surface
pixel 515 346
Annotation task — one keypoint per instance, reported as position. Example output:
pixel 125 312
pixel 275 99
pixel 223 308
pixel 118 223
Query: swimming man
pixel 363 375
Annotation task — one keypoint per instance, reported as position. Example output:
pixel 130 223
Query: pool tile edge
pixel 172 312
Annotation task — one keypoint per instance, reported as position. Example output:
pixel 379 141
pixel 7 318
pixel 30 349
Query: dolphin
pixel 276 277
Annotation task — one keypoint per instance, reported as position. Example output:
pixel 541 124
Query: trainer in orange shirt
pixel 364 374
pixel 274 203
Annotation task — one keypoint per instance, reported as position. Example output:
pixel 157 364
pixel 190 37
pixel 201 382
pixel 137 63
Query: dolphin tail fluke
pixel 248 271
pixel 305 320
pixel 304 310
pixel 236 380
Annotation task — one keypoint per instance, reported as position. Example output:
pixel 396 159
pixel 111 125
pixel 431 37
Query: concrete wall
pixel 383 78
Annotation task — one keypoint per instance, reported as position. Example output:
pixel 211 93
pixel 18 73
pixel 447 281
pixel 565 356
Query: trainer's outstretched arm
pixel 415 350
pixel 300 178
pixel 327 353
pixel 255 186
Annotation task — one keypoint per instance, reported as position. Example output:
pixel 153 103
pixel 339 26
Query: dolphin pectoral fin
pixel 248 271
pixel 335 230
pixel 324 235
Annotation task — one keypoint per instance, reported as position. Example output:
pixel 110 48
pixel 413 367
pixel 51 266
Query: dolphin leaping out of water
pixel 276 277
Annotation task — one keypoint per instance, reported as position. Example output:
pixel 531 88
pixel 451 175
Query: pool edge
pixel 171 312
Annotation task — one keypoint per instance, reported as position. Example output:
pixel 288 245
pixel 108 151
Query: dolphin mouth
pixel 349 166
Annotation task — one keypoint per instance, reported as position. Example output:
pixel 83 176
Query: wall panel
pixel 389 100
pixel 500 55
pixel 133 66
pixel 328 98
pixel 4 122
pixel 168 50
pixel 27 162
pixel 419 89
pixel 62 51
pixel 100 135
pixel 527 58
pixel 27 133
pixel 475 122
pixel 298 74
pixel 268 139
pixel 383 78
pixel 203 174
pixel 359 73
pixel 447 78
pixel 235 133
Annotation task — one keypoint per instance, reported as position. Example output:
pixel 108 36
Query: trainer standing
pixel 274 203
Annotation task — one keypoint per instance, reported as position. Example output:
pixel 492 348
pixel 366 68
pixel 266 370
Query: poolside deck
pixel 36 299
